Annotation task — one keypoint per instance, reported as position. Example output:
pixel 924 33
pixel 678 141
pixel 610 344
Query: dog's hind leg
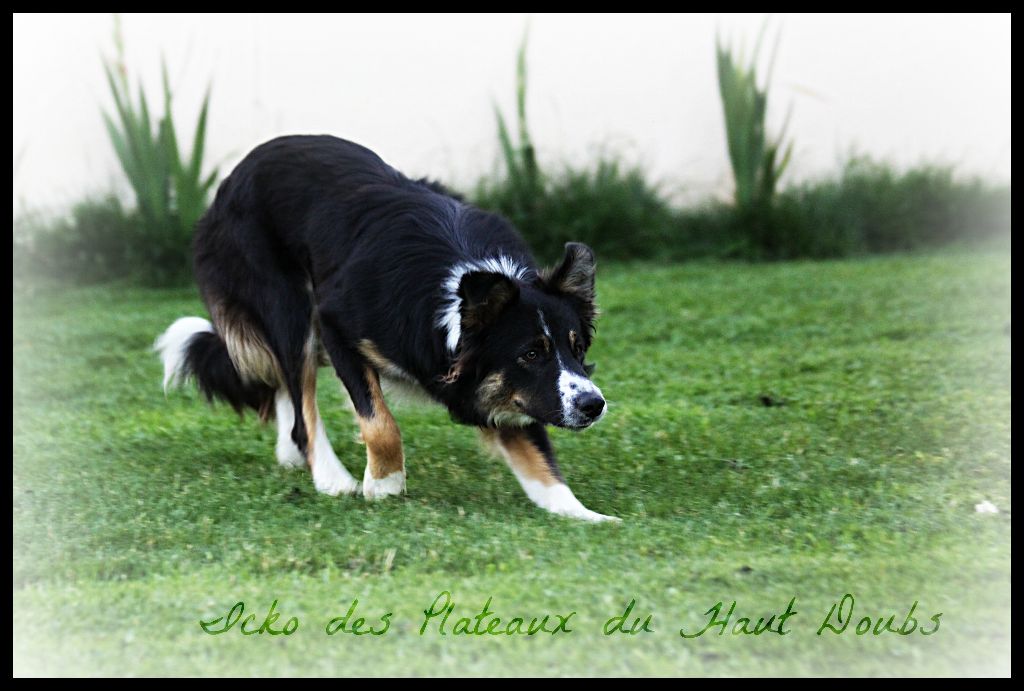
pixel 287 452
pixel 528 453
pixel 329 475
pixel 260 300
pixel 287 325
pixel 385 459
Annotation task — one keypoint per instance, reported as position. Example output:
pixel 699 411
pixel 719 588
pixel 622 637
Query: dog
pixel 315 252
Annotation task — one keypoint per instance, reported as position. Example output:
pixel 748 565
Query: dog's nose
pixel 591 405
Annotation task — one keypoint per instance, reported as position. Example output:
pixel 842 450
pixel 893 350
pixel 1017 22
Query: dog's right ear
pixel 484 296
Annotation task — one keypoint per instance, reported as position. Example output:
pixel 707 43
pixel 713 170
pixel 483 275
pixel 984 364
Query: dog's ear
pixel 574 277
pixel 575 274
pixel 484 296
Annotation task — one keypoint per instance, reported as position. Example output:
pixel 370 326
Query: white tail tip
pixel 172 345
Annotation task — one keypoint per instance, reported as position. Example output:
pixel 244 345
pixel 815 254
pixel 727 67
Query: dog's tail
pixel 191 348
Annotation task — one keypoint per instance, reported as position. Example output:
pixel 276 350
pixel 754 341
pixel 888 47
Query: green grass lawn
pixel 775 431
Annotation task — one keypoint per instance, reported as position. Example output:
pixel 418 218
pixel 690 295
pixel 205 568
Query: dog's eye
pixel 531 355
pixel 578 351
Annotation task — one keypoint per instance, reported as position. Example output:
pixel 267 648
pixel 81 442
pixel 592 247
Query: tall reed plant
pixel 525 183
pixel 609 205
pixel 171 189
pixel 758 161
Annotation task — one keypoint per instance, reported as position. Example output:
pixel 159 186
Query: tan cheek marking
pixel 525 458
pixel 491 390
pixel 495 399
pixel 381 434
pixel 493 395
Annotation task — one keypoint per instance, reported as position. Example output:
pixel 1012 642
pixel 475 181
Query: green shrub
pixel 97 240
pixel 611 207
pixel 870 207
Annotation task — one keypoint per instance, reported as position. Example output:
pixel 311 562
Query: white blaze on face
pixel 543 324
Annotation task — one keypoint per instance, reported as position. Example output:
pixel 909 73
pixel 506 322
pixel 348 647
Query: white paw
pixel 289 456
pixel 332 479
pixel 588 515
pixel 559 499
pixel 386 486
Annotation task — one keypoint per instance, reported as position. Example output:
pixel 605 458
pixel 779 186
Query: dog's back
pixel 272 208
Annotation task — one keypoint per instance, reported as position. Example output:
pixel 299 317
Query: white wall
pixel 419 89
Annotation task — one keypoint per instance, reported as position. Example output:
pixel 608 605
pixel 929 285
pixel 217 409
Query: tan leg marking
pixel 525 459
pixel 329 475
pixel 383 439
pixel 310 411
pixel 538 477
pixel 370 351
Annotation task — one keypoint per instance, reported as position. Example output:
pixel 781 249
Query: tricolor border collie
pixel 316 252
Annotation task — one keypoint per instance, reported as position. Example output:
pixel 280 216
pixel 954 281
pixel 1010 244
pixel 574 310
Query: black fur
pixel 207 361
pixel 315 230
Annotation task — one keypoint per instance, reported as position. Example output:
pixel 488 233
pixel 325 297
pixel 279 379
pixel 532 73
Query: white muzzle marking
pixel 570 387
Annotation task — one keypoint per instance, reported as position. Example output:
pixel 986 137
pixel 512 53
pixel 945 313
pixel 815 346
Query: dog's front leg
pixel 528 452
pixel 385 458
